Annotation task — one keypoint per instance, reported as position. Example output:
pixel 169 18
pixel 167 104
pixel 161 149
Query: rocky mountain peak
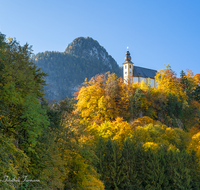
pixel 90 49
pixel 83 58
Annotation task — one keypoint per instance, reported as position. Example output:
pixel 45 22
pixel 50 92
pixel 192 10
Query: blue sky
pixel 157 32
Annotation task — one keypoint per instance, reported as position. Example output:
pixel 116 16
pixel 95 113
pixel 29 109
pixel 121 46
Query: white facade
pixel 128 72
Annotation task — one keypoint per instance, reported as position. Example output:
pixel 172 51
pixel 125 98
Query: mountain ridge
pixel 83 58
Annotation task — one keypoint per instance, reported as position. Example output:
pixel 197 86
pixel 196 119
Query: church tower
pixel 128 68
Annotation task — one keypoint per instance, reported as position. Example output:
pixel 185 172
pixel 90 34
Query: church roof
pixel 143 72
pixel 140 71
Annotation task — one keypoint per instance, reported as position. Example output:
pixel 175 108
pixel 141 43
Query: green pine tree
pixel 129 155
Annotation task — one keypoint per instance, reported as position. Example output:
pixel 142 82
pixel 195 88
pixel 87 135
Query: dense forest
pixel 83 58
pixel 111 136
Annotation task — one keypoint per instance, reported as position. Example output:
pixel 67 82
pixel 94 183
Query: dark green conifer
pixel 100 152
pixel 114 169
pixel 154 171
pixel 129 155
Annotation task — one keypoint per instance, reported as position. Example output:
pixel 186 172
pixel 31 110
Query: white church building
pixel 137 74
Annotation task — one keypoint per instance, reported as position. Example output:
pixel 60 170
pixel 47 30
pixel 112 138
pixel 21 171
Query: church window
pixel 125 66
pixel 130 66
pixel 125 72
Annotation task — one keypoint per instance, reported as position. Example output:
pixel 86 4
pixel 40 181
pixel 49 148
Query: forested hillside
pixel 83 58
pixel 114 136
pixel 143 137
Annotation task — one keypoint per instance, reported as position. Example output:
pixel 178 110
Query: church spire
pixel 128 57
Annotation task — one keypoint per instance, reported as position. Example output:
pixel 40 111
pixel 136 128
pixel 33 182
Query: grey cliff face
pixel 83 58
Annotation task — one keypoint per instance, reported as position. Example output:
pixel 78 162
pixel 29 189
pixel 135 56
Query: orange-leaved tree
pixel 103 98
pixel 168 82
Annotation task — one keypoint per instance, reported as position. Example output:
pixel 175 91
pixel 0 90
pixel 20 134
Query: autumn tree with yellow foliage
pixel 103 98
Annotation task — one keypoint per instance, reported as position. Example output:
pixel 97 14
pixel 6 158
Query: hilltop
pixel 83 58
